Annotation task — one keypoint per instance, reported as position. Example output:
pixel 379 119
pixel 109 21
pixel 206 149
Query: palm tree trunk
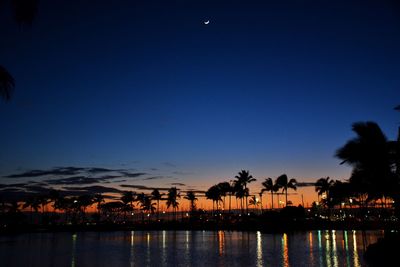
pixel 272 200
pixel 230 195
pixel 277 196
pixel 286 197
pixel 158 209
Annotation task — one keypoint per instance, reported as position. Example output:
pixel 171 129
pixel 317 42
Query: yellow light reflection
pixel 221 242
pixel 355 252
pixel 259 250
pixel 310 244
pixel 132 258
pixel 148 256
pixel 327 250
pixel 285 252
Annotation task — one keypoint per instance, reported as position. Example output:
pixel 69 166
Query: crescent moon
pixel 207 22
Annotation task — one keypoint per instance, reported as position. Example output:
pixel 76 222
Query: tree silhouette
pixel 254 202
pixel 157 196
pixel 147 206
pixel 244 178
pixel 98 199
pixel 370 156
pixel 7 84
pixel 225 189
pixel 323 186
pixel 172 197
pixel 128 198
pixel 24 14
pixel 269 186
pixel 214 194
pixel 282 182
pixel 191 196
pixel 33 203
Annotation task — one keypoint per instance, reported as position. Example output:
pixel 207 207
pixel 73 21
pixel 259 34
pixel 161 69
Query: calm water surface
pixel 186 248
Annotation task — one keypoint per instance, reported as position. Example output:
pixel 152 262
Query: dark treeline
pixel 372 193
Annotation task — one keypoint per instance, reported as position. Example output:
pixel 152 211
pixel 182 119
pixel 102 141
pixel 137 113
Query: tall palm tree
pixel 225 189
pixel 239 194
pixel 370 156
pixel 147 206
pixel 157 196
pixel 128 197
pixel 243 179
pixel 254 202
pixel 172 197
pixel 214 194
pixel 98 199
pixel 84 201
pixel 269 186
pixel 283 182
pixel 191 196
pixel 323 186
pixel 24 14
pixel 33 203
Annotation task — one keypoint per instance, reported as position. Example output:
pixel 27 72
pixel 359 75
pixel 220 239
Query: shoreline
pixel 250 226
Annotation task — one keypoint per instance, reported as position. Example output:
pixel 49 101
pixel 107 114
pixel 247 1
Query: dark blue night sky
pixel 269 86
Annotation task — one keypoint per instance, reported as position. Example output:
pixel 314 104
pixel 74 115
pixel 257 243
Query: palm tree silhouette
pixel 147 206
pixel 157 196
pixel 33 203
pixel 243 179
pixel 214 194
pixel 98 199
pixel 7 84
pixel 128 198
pixel 323 186
pixel 225 189
pixel 269 186
pixel 254 202
pixel 282 182
pixel 83 202
pixel 24 14
pixel 370 156
pixel 240 194
pixel 172 197
pixel 191 196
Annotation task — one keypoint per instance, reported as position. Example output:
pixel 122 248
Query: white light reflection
pixel 164 248
pixel 320 247
pixel 74 236
pixel 187 240
pixel 259 250
pixel 334 249
pixel 328 250
pixel 355 252
pixel 346 247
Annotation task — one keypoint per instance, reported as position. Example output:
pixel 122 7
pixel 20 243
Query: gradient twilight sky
pixel 267 86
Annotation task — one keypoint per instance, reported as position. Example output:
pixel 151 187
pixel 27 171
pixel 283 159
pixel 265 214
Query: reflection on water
pixel 186 248
pixel 285 251
pixel 259 249
pixel 73 250
pixel 221 242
